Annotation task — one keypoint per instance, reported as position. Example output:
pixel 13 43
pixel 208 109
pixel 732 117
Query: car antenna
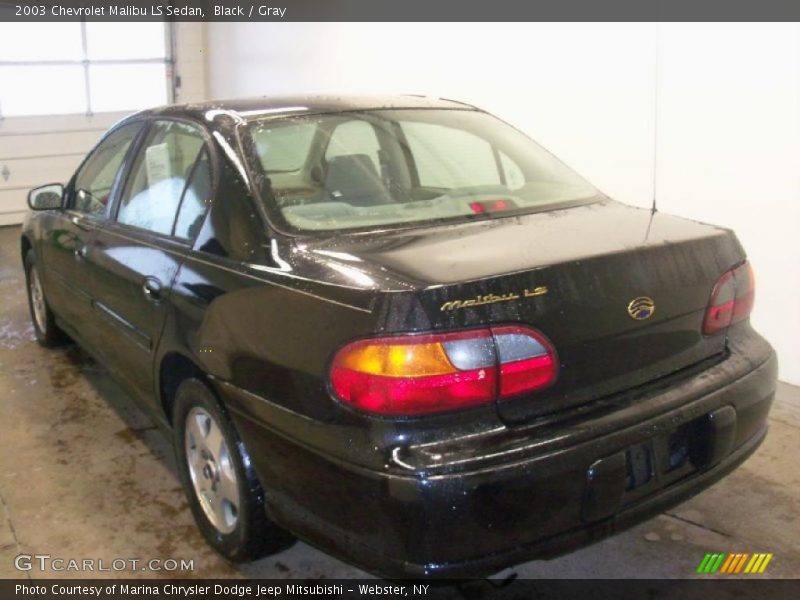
pixel 654 207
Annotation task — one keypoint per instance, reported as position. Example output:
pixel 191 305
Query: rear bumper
pixel 590 532
pixel 472 507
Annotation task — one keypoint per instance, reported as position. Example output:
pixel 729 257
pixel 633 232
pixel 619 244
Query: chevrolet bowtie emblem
pixel 641 308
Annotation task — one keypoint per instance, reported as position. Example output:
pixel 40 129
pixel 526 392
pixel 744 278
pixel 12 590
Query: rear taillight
pixel 731 299
pixel 526 360
pixel 420 374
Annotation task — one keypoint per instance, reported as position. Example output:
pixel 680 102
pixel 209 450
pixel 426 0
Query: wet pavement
pixel 85 475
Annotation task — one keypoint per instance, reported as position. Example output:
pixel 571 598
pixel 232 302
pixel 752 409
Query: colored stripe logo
pixel 737 562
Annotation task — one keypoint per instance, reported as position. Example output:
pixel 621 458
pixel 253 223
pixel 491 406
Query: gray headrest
pixel 352 178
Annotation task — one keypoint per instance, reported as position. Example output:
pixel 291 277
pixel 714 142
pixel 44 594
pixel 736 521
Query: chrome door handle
pixel 152 289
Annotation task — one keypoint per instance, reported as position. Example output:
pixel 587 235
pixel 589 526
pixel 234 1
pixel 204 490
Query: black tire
pixel 254 535
pixel 48 334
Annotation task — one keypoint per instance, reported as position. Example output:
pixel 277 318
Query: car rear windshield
pixel 385 168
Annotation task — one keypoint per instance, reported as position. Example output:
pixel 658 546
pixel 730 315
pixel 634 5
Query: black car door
pixel 137 254
pixel 70 233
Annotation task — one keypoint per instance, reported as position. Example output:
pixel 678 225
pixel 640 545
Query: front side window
pixel 93 183
pixel 377 168
pixel 160 179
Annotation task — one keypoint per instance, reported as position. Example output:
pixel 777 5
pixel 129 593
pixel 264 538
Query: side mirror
pixel 46 197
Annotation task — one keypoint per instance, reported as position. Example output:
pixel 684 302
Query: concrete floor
pixel 83 474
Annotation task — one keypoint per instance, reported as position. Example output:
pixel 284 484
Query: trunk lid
pixel 572 274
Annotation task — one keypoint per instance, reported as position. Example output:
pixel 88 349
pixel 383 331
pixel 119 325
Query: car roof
pixel 277 106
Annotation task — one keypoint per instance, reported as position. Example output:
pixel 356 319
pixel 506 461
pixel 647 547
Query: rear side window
pixel 96 177
pixel 161 176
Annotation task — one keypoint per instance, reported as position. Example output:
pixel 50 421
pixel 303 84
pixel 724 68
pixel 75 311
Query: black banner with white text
pixel 400 10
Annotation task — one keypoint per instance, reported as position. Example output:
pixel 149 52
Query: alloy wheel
pixel 37 300
pixel 211 470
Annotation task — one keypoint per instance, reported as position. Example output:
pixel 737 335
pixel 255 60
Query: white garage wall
pixel 725 98
pixel 578 89
pixel 729 153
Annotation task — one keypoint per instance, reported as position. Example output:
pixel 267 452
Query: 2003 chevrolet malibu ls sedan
pixel 399 329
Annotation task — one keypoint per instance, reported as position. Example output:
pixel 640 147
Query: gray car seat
pixel 352 178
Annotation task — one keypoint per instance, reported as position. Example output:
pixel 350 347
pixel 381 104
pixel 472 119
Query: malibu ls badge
pixel 493 298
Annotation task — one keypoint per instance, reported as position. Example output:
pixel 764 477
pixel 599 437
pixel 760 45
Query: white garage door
pixel 61 86
pixel 38 150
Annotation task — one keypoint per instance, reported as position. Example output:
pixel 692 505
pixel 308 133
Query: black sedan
pixel 399 329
